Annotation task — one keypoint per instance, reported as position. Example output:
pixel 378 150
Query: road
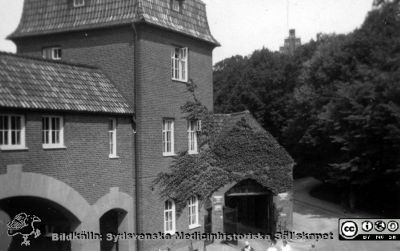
pixel 315 215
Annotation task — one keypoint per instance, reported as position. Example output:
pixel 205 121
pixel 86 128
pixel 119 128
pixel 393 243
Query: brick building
pixel 66 150
pixel 94 96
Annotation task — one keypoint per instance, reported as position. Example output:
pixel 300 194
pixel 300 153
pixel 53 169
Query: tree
pixel 349 90
pixel 334 105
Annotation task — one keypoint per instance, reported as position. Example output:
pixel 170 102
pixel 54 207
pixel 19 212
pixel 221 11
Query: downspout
pixel 136 165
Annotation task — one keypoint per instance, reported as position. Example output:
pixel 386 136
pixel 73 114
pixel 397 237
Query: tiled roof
pixel 192 20
pixel 49 16
pixel 42 84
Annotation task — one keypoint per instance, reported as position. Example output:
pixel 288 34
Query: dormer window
pixel 176 5
pixel 79 3
pixel 52 53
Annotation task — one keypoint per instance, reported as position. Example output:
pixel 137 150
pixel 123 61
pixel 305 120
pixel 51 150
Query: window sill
pixel 113 157
pixel 194 226
pixel 13 148
pixel 181 81
pixel 54 147
pixel 172 233
pixel 169 154
pixel 193 153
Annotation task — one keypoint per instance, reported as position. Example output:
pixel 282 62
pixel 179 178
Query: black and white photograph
pixel 199 125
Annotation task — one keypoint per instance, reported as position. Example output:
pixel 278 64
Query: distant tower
pixel 291 43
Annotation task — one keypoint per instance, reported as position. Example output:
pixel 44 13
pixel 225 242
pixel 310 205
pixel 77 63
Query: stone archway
pixel 17 183
pixel 38 187
pixel 118 205
pixel 36 191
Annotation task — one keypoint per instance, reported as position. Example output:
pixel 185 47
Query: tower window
pixel 192 136
pixel 179 63
pixel 193 212
pixel 79 3
pixel 169 217
pixel 112 137
pixel 168 137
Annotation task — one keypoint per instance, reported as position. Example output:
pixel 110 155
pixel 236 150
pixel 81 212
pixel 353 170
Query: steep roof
pixel 244 150
pixel 41 17
pixel 191 21
pixel 32 83
pixel 273 152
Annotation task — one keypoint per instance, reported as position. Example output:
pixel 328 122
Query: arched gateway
pixel 60 208
pixel 248 207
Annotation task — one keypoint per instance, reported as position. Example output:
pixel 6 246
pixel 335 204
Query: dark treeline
pixel 334 104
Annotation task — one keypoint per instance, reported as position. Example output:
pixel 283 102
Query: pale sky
pixel 242 26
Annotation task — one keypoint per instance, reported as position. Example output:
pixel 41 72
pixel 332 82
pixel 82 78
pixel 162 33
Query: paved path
pixel 313 215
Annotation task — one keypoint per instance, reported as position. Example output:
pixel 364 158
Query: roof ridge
pixel 233 113
pixel 61 62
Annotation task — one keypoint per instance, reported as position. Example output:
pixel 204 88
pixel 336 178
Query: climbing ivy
pixel 229 151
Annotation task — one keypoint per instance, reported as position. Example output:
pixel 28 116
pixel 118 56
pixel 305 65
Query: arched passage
pixel 16 183
pixel 53 219
pixel 242 207
pixel 115 211
pixel 59 206
pixel 249 208
pixel 111 223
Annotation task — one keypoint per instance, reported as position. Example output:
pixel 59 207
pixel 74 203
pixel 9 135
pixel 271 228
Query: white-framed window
pixel 112 137
pixel 169 217
pixel 12 132
pixel 192 136
pixel 193 205
pixel 79 3
pixel 53 132
pixel 176 5
pixel 179 62
pixel 168 137
pixel 54 53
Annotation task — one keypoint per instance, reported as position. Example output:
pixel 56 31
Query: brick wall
pixel 159 97
pixel 84 163
pixel 109 49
